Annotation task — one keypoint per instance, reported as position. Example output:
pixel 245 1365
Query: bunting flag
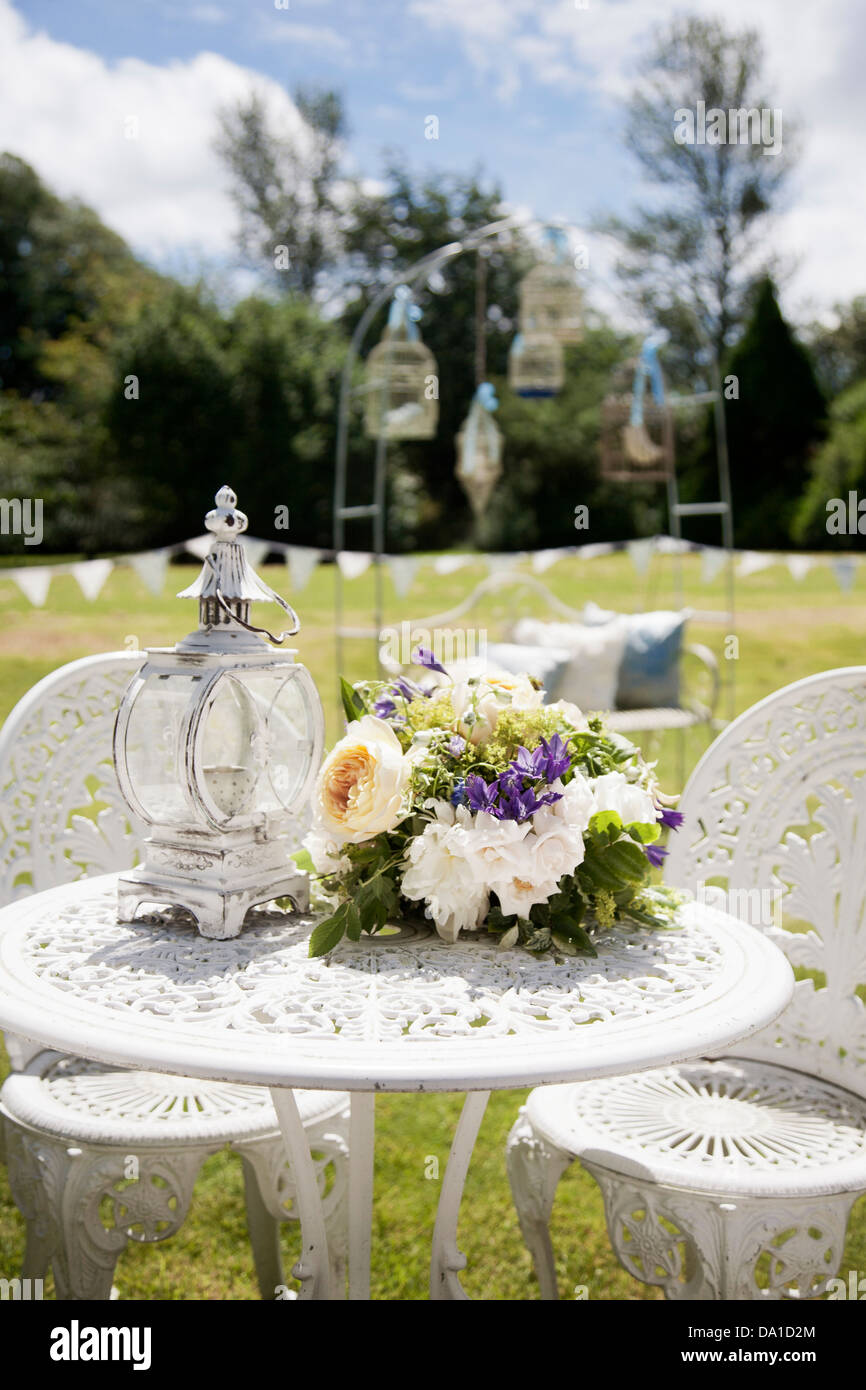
pixel 91 576
pixel 844 568
pixel 199 546
pixel 255 550
pixel 150 567
pixel 302 561
pixel 753 561
pixel 402 569
pixel 799 566
pixel 354 563
pixel 595 550
pixel 34 582
pixel 640 553
pixel 450 564
pixel 502 564
pixel 712 563
pixel 543 559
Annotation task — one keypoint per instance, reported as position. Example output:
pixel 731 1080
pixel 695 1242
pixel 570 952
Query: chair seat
pixel 74 1099
pixel 731 1128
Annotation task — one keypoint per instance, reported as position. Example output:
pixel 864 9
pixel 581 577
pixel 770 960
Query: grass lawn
pixel 784 629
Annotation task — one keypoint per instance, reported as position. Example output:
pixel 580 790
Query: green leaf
pixel 603 821
pixel 644 832
pixel 353 922
pixel 353 703
pixel 628 861
pixel 326 935
pixel 303 860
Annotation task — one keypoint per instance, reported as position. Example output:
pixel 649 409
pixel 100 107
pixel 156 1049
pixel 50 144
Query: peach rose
pixel 362 782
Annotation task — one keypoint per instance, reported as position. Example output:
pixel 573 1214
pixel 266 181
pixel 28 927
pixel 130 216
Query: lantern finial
pixel 227 584
pixel 225 520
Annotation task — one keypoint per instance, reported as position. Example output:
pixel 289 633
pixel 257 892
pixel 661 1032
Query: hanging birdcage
pixel 402 383
pixel 479 449
pixel 535 365
pixel 551 302
pixel 637 435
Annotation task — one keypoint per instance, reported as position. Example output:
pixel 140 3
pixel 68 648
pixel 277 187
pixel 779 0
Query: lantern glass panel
pixel 154 744
pixel 232 754
pixel 285 743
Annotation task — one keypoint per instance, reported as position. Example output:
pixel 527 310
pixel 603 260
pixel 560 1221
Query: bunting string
pixel 301 561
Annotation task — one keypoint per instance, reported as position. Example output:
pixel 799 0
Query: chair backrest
pixel 776 818
pixel 61 812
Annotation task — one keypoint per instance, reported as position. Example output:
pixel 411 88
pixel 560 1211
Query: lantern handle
pixel 263 631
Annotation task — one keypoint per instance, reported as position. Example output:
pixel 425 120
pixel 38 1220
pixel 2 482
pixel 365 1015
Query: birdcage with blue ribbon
pixel 551 301
pixel 402 382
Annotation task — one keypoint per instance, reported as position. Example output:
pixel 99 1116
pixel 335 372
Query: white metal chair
pixel 98 1155
pixel 734 1178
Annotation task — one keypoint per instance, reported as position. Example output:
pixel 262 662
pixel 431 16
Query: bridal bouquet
pixel 477 805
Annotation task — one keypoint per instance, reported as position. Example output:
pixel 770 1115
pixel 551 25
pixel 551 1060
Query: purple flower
pixel 456 745
pixel 505 798
pixel 424 657
pixel 408 689
pixel 672 819
pixel 384 708
pixel 458 796
pixel 548 761
pixel 480 796
pixel 518 805
pixel 655 854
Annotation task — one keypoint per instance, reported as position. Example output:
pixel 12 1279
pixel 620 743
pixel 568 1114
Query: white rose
pixel 614 792
pixel 478 705
pixel 361 784
pixel 440 875
pixel 569 712
pixel 324 851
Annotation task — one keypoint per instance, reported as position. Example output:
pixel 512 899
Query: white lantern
pixel 479 449
pixel 216 745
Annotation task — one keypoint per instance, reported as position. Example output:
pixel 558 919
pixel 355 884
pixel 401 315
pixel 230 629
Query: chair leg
pixel 534 1170
pixel 700 1247
pixel 264 1235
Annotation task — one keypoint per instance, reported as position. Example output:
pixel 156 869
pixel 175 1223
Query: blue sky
pixel 528 90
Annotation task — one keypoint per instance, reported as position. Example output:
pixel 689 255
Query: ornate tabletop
pixel 405 1012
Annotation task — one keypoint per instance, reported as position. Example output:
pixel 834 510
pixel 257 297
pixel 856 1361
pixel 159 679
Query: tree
pixel 773 427
pixel 692 253
pixel 285 185
pixel 839 467
pixel 839 352
pixel 61 268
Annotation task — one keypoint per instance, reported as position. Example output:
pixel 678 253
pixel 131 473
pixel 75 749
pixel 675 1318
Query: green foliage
pixel 773 427
pixel 839 353
pixel 838 467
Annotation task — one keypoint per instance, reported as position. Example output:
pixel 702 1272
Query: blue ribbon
pixel 486 396
pixel 404 314
pixel 648 369
pixel 558 243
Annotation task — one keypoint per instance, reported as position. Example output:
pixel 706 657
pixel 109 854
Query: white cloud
pixel 814 73
pixel 67 112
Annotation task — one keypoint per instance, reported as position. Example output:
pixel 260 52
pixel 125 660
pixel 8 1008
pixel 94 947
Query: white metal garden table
pixel 406 1012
